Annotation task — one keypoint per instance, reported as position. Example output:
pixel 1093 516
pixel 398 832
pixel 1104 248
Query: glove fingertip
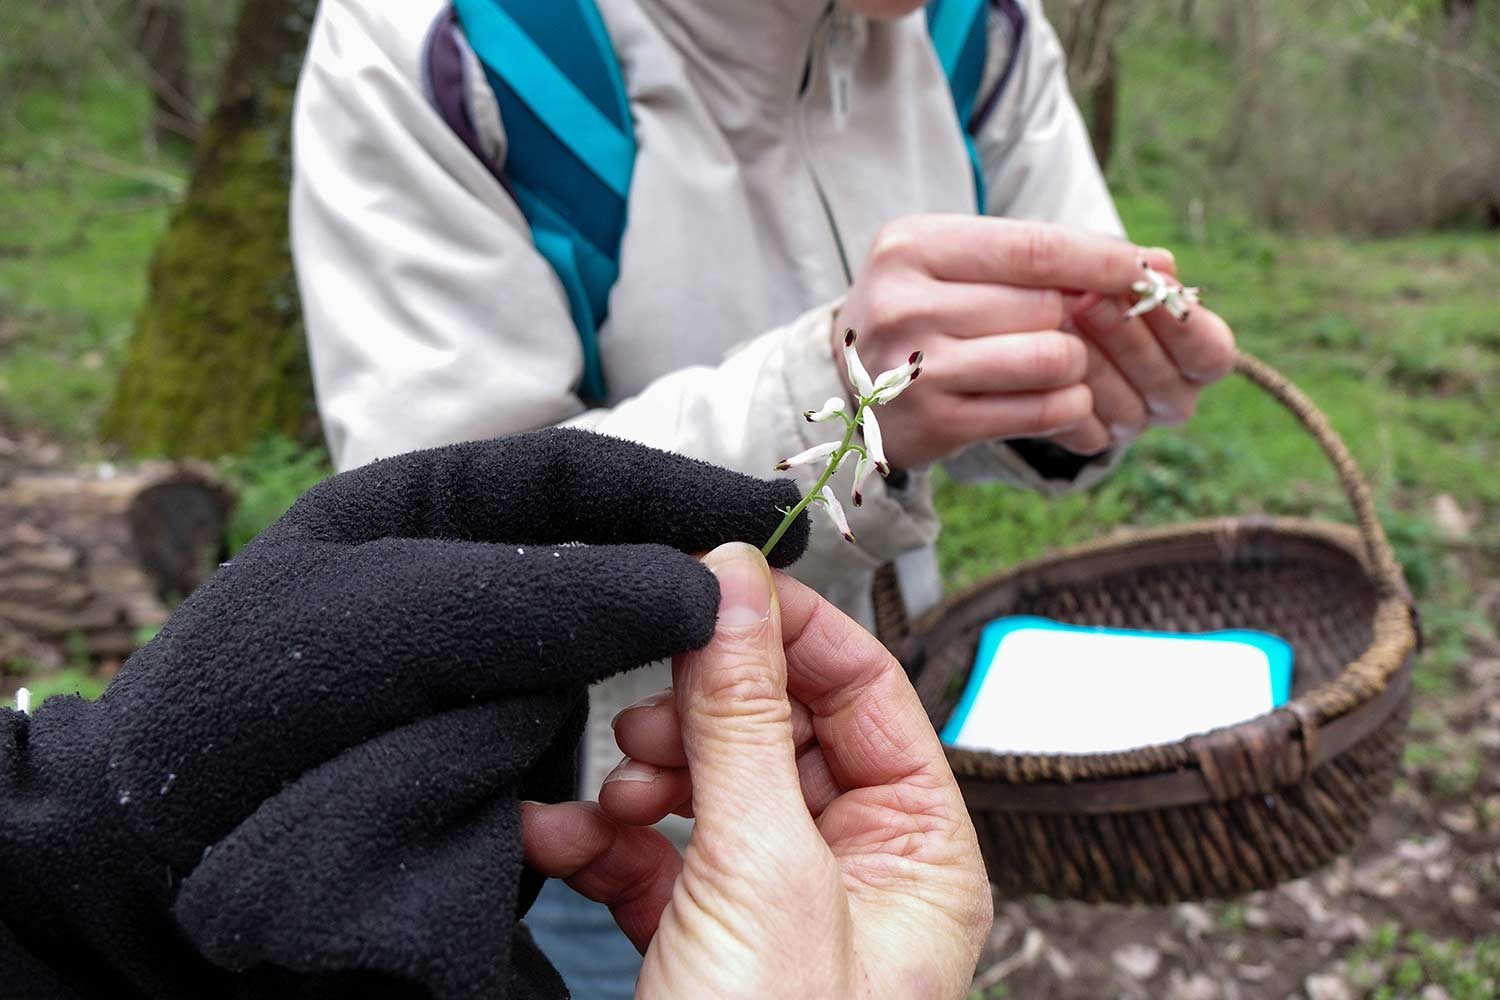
pixel 700 601
pixel 652 601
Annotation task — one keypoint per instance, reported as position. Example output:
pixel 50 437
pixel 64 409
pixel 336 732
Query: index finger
pixel 546 487
pixel 869 722
pixel 1018 252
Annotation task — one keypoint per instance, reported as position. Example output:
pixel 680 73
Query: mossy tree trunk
pixel 217 358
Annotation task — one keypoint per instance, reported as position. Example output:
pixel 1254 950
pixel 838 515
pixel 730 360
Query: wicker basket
pixel 1223 813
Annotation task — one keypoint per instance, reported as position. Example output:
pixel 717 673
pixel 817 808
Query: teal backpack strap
pixel 568 127
pixel 959 30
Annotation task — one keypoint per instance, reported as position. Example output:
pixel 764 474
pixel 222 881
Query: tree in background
pixel 1090 31
pixel 1460 15
pixel 217 360
pixel 159 32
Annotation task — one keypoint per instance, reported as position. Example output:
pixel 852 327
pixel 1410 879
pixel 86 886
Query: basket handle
pixel 891 619
pixel 1383 564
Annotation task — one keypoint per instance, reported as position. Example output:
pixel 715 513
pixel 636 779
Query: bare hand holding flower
pixel 1150 355
pixel 1023 331
pixel 832 854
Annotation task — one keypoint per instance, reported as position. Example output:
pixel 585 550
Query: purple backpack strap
pixel 1015 17
pixel 448 84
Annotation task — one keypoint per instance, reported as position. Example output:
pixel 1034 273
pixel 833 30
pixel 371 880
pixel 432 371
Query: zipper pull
pixel 841 44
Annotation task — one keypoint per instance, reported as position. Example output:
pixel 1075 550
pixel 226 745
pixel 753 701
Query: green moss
pixel 217 359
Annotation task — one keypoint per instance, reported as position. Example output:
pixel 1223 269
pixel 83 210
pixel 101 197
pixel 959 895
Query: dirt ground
pixel 1430 866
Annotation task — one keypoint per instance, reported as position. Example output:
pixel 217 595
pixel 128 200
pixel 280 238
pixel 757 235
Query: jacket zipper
pixel 840 69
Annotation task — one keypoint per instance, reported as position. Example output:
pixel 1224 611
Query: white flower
pixel 867 394
pixel 23 701
pixel 816 453
pixel 1152 290
pixel 874 445
pixel 862 472
pixel 835 511
pixel 894 382
pixel 858 377
pixel 1156 290
pixel 831 409
pixel 1181 300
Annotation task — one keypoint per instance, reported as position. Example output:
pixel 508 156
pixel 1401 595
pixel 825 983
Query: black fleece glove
pixel 307 785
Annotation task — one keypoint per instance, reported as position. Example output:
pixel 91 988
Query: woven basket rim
pixel 1395 639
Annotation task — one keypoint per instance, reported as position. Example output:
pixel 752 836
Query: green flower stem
pixel 834 460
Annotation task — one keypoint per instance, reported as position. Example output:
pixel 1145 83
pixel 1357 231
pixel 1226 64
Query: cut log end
pixel 88 560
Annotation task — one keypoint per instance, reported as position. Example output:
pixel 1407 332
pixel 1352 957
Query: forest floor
pixel 1397 339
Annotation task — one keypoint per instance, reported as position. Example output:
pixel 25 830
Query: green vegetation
pixel 78 231
pixel 84 200
pixel 1397 966
pixel 77 675
pixel 266 479
pixel 73 680
pixel 1359 116
pixel 1397 339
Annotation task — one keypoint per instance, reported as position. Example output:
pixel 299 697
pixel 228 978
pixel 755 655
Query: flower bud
pixel 813 454
pixel 899 375
pixel 835 512
pixel 858 377
pixel 874 444
pixel 831 409
pixel 862 472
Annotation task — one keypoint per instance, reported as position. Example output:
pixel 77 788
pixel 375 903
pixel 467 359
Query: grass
pixel 76 676
pixel 84 201
pixel 82 217
pixel 1397 339
pixel 1394 965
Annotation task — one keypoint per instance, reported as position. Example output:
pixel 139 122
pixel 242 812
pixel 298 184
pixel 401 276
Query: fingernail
pixel 1123 433
pixel 1163 251
pixel 630 770
pixel 651 700
pixel 1103 316
pixel 744 584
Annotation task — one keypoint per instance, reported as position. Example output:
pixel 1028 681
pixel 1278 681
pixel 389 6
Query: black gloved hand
pixel 311 776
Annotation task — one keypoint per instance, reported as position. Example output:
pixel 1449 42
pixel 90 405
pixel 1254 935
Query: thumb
pixel 733 708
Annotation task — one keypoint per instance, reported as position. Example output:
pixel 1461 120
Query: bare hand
pixel 991 304
pixel 832 854
pixel 1144 371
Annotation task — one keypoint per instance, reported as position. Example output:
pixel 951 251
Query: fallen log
pixel 90 559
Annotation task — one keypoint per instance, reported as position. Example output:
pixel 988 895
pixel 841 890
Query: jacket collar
pixel 751 53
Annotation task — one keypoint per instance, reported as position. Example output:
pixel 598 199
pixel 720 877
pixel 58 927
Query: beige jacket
pixel 432 319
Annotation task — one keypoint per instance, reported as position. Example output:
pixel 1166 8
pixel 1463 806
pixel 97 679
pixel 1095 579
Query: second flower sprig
pixel 868 394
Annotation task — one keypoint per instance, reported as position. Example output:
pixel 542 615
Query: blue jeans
pixel 596 959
